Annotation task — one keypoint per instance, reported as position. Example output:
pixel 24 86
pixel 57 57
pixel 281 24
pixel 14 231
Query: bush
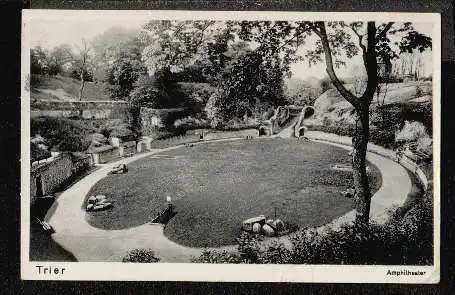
pixel 141 256
pixel 237 124
pixel 211 256
pixel 65 134
pixel 37 153
pixel 189 123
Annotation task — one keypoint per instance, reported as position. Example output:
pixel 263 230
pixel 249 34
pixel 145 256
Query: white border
pixel 224 272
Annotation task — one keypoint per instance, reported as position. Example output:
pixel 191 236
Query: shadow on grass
pixel 44 248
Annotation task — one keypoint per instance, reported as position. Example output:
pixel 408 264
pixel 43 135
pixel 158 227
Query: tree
pixel 112 45
pixel 173 45
pixel 122 74
pixel 38 61
pixel 248 85
pixel 58 57
pixel 82 65
pixel 336 42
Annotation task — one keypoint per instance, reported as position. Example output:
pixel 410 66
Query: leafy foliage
pixel 173 45
pixel 122 76
pixel 249 85
pixel 64 134
pixel 38 61
pixel 148 90
pixel 37 153
pixel 141 255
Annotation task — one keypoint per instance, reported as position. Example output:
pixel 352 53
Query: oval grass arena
pixel 217 185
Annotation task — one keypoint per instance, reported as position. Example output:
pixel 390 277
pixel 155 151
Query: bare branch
pixel 384 31
pixel 321 32
pixel 361 45
pixel 210 23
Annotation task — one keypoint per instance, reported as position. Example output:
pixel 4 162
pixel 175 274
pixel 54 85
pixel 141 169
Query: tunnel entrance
pixel 263 131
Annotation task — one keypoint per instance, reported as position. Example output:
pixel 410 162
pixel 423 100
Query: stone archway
pixel 262 131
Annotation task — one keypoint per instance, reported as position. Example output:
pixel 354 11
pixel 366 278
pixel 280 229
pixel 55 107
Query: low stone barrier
pixel 231 134
pixel 414 168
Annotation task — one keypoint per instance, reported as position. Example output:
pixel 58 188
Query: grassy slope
pixel 65 88
pixel 215 186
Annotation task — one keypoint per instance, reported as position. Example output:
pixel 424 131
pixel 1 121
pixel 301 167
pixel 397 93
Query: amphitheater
pixel 88 242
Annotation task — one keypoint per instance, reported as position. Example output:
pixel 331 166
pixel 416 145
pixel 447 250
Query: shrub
pixel 189 123
pixel 37 153
pixel 211 256
pixel 239 124
pixel 66 134
pixel 141 255
pixel 88 76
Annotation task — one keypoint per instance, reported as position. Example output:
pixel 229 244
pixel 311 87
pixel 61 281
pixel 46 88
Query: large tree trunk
pixel 362 106
pixel 361 183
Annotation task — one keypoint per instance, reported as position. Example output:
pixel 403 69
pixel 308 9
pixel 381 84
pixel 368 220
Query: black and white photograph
pixel 230 146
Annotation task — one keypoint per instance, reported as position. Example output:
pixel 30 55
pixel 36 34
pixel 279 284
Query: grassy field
pixel 215 186
pixel 65 88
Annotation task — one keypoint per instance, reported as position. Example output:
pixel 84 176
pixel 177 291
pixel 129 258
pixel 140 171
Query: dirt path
pixel 87 243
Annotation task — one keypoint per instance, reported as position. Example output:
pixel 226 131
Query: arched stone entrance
pixel 262 131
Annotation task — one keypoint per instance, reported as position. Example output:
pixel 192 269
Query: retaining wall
pixel 90 109
pixel 231 134
pixel 52 173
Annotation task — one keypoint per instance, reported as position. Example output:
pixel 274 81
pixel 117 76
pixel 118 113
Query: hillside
pixel 398 103
pixel 333 106
pixel 64 89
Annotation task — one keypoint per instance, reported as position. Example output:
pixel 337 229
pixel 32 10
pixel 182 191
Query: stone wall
pixel 51 174
pixel 90 109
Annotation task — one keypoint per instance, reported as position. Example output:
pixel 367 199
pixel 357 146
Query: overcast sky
pixel 49 33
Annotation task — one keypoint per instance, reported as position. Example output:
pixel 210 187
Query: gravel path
pixel 87 243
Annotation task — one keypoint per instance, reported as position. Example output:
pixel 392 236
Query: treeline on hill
pixel 212 67
pixel 171 64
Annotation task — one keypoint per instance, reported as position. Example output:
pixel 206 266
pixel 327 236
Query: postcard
pixel 230 146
